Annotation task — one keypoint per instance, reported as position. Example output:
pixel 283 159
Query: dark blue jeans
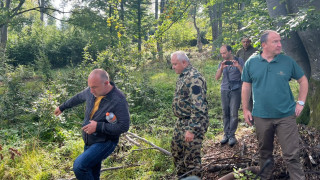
pixel 230 106
pixel 87 166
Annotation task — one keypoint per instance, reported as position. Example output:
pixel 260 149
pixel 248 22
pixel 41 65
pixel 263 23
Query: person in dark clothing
pixel 244 53
pixel 100 136
pixel 231 69
pixel 247 50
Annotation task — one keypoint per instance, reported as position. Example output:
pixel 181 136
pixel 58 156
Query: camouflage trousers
pixel 186 155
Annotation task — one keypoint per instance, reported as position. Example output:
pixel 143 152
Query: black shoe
pixel 232 141
pixel 224 140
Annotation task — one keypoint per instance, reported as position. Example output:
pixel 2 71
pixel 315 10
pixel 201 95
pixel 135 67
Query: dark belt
pixel 186 117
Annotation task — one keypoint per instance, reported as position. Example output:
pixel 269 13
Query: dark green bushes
pixel 62 48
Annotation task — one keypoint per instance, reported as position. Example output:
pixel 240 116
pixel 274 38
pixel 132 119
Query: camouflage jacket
pixel 190 103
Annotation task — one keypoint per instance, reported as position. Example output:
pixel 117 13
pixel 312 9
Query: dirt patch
pixel 219 160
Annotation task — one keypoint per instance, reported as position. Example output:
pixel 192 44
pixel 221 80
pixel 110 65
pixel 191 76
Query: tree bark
pixel 292 45
pixel 122 10
pixel 241 7
pixel 220 19
pixel 156 9
pixel 199 43
pixel 159 41
pixel 304 47
pixel 311 42
pixel 41 5
pixel 214 24
pixel 4 29
pixel 139 26
pixel 310 38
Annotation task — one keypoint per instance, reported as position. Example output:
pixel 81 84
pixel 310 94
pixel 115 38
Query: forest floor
pixel 219 160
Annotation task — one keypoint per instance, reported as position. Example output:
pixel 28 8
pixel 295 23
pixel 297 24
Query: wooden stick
pixel 143 149
pixel 148 142
pixel 132 141
pixel 119 167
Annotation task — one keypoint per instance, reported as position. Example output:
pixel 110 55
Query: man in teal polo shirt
pixel 274 108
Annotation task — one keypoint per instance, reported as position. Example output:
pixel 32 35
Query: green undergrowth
pixel 37 160
pixel 40 146
pixel 48 145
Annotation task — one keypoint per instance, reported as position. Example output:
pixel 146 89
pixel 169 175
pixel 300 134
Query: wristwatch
pixel 300 103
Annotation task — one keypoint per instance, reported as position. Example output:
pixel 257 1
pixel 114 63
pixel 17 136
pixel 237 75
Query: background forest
pixel 47 50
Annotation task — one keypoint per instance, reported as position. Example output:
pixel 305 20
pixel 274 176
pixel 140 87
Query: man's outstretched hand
pixel 57 112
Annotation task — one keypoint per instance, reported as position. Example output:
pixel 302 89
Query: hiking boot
pixel 224 140
pixel 232 141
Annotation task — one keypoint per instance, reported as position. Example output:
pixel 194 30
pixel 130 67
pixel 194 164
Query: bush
pixel 16 97
pixel 62 48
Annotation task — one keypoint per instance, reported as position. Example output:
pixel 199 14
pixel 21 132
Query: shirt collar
pixel 186 70
pixel 275 59
pixel 112 90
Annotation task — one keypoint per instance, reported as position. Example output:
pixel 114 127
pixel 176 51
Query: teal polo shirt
pixel 272 96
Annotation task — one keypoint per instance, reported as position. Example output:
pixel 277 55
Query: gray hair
pixel 265 35
pixel 181 56
pixel 104 76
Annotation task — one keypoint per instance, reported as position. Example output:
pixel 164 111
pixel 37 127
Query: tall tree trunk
pixel 159 40
pixel 311 41
pixel 220 19
pixel 214 24
pixel 241 7
pixel 41 5
pixel 199 43
pixel 292 45
pixel 110 15
pixel 156 9
pixel 122 10
pixel 139 26
pixel 4 36
pixel 310 38
pixel 156 13
pixel 111 26
pixel 4 29
pixel 304 47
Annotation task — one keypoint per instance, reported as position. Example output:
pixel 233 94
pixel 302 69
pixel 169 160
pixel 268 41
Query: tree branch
pixel 119 167
pixel 159 148
pixel 173 22
pixel 132 141
pixel 38 9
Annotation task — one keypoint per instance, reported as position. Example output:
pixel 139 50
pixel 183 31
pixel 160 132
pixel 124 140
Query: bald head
pixel 98 82
pixel 100 74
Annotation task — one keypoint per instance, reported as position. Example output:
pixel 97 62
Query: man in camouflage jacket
pixel 191 107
